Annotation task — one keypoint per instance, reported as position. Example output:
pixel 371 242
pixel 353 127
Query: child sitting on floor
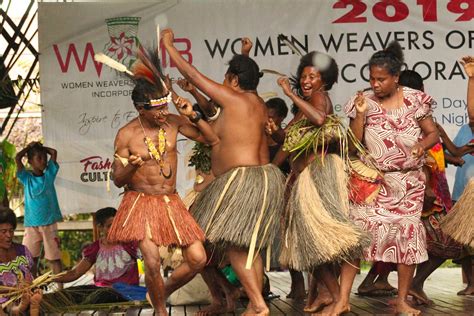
pixel 116 275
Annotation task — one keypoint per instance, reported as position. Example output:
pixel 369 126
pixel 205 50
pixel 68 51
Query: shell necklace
pixel 157 153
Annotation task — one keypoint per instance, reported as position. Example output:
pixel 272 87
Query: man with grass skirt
pixel 240 210
pixel 151 212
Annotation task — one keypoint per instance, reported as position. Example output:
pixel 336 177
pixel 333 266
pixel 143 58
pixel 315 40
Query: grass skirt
pixel 242 207
pixel 459 223
pixel 163 217
pixel 438 243
pixel 318 229
pixel 189 199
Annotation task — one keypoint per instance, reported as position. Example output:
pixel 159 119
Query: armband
pixel 124 161
pixel 215 116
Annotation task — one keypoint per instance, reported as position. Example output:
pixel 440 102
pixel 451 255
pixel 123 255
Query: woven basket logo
pixel 123 39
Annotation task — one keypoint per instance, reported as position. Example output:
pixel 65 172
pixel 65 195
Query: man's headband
pixel 155 103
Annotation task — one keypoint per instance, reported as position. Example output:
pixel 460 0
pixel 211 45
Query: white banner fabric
pixel 85 103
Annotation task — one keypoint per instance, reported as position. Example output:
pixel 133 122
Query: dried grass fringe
pixel 459 223
pixel 189 198
pixel 164 218
pixel 14 293
pixel 318 226
pixel 231 207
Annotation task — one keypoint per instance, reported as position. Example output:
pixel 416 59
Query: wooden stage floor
pixel 441 287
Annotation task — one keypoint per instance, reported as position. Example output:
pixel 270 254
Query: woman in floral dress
pixel 395 125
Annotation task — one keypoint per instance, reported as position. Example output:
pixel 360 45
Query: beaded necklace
pixel 157 154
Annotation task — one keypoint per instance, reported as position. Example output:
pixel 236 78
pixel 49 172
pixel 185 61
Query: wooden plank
pixel 280 307
pixel 191 309
pixel 440 288
pixel 177 310
pixel 147 312
pixel 134 311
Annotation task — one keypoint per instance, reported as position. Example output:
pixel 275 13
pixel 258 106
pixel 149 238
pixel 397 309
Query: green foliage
pixel 73 242
pixel 201 157
pixel 449 264
pixel 8 182
pixel 365 265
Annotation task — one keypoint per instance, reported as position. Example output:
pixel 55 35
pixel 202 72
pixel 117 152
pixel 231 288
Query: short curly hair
pixel 7 216
pixel 102 215
pixel 279 105
pixel 36 149
pixel 329 75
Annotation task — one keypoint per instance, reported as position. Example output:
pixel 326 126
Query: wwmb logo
pixel 72 52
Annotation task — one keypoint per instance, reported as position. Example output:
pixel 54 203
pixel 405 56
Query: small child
pixel 41 203
pixel 116 276
pixel 113 262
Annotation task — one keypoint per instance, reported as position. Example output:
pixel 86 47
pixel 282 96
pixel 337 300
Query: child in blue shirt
pixel 41 203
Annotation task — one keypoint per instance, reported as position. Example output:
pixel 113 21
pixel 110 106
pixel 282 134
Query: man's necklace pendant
pixel 158 154
pixel 166 176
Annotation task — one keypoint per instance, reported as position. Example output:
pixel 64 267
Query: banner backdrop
pixel 85 103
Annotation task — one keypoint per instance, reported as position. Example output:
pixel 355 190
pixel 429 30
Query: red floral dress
pixel 393 219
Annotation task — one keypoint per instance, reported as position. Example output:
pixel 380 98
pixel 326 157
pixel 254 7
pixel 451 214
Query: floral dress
pixel 113 263
pixel 393 218
pixel 18 270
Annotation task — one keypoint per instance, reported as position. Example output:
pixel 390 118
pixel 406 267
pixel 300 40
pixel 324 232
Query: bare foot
pixel 325 311
pixel 469 290
pixel 402 307
pixel 158 311
pixel 256 311
pixel 337 308
pixel 384 285
pixel 420 297
pixel 377 287
pixel 322 300
pixel 215 308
